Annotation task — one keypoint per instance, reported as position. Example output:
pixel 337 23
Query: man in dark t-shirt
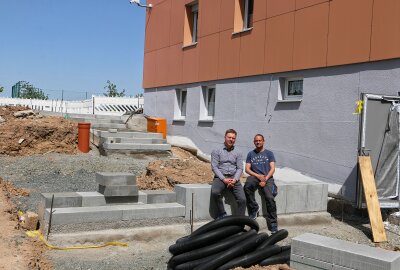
pixel 260 165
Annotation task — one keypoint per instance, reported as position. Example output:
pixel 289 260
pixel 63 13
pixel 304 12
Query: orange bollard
pixel 83 137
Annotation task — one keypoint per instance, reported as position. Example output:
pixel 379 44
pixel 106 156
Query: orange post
pixel 83 137
pixel 158 125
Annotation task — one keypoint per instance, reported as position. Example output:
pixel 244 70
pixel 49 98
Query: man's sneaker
pixel 254 214
pixel 221 216
pixel 274 228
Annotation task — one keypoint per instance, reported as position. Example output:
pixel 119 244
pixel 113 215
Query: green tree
pixel 29 91
pixel 112 91
pixel 139 95
pixel 1 88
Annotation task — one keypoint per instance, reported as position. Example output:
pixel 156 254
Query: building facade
pixel 292 70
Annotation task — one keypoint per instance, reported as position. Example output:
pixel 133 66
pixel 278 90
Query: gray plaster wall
pixel 317 136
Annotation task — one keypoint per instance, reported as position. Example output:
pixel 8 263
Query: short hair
pixel 260 136
pixel 231 130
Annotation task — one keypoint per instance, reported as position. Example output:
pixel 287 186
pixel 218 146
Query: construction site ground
pixel 46 160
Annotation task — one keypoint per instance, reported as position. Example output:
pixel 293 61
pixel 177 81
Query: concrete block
pixel 327 253
pixel 117 191
pixel 142 197
pixel 115 179
pixel 77 215
pixel 62 199
pixel 160 196
pixel 92 199
pixel 137 147
pixel 296 201
pixel 108 125
pixel 150 211
pixel 129 134
pixel 317 197
pixel 201 199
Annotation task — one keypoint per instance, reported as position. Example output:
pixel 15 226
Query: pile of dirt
pixel 23 133
pixel 183 168
pixel 10 190
pixel 271 267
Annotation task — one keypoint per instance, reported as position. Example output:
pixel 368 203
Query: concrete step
pixel 137 147
pixel 127 134
pixel 134 140
pixel 312 251
pixel 95 121
pixel 108 125
pixel 113 213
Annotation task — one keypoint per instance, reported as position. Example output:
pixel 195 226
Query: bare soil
pixel 35 134
pixel 183 168
pixel 17 251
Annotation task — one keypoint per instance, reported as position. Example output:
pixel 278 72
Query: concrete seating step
pixel 126 134
pixel 134 140
pixel 113 213
pixel 115 179
pixel 137 146
pixel 108 125
pixel 312 251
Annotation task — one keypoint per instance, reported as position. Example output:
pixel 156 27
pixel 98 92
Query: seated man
pixel 227 165
pixel 260 165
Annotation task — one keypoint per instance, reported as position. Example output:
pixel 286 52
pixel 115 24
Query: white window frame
pixel 180 114
pixel 195 16
pixel 204 103
pixel 283 93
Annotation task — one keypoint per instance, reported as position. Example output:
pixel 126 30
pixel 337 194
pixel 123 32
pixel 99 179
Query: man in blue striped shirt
pixel 227 165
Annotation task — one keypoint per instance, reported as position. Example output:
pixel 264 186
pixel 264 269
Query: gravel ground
pixel 66 173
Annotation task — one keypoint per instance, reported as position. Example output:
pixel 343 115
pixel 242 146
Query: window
pixel 243 15
pixel 291 89
pixel 180 104
pixel 207 106
pixel 191 24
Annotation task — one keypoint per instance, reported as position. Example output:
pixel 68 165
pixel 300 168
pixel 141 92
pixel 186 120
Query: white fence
pixel 96 105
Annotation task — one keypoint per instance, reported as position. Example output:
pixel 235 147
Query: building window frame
pixel 180 108
pixel 191 25
pixel 207 103
pixel 243 17
pixel 284 94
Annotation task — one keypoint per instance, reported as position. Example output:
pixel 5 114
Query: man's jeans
pixel 216 195
pixel 269 190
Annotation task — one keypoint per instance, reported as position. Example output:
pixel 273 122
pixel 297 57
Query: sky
pixel 71 46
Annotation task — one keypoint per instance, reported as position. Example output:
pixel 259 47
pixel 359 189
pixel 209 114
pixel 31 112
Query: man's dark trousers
pixel 216 194
pixel 269 191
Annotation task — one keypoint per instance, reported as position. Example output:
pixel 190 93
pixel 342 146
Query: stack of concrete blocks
pixel 297 193
pixel 119 187
pixel 310 252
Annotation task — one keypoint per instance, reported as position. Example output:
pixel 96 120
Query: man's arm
pixel 239 167
pixel 250 172
pixel 271 171
pixel 214 165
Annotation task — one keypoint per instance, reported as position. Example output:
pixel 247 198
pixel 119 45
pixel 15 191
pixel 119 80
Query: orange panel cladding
pixel 149 40
pixel 208 58
pixel 311 37
pixel 209 17
pixel 228 56
pixel 175 64
pixel 385 41
pixel 252 45
pixel 149 69
pixel 349 31
pixel 162 28
pixel 226 14
pixel 190 65
pixel 278 7
pixel 177 18
pixel 162 66
pixel 306 3
pixel 279 43
pixel 260 10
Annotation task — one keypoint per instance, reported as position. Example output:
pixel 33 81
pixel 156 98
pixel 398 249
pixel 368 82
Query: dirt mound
pixel 271 267
pixel 23 134
pixel 10 190
pixel 183 168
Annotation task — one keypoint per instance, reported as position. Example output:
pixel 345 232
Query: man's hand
pixel 229 182
pixel 260 177
pixel 263 183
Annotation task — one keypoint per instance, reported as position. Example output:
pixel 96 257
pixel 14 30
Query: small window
pixel 243 15
pixel 191 24
pixel 291 89
pixel 207 106
pixel 180 104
